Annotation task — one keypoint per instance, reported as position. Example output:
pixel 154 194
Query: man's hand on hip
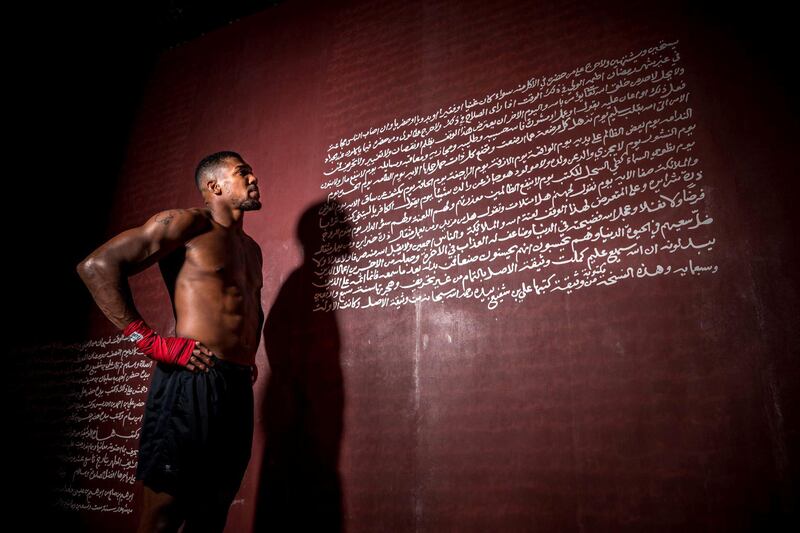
pixel 201 358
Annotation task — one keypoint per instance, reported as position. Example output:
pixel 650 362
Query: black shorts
pixel 197 431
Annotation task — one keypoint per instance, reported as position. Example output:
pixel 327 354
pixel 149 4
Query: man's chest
pixel 233 260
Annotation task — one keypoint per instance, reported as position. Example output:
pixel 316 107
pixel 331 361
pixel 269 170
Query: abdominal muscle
pixel 220 317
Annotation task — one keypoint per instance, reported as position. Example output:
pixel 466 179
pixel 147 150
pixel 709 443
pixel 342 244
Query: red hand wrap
pixel 172 350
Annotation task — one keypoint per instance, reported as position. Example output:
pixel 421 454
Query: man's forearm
pixel 109 287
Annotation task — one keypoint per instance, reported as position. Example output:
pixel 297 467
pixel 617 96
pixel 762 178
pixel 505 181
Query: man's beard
pixel 250 204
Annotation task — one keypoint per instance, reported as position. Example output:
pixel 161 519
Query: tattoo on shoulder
pixel 165 218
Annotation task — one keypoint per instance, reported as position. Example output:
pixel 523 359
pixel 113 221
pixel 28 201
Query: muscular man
pixel 198 424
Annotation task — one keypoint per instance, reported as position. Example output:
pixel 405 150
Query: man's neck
pixel 232 220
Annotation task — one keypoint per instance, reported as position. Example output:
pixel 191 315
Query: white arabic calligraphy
pixel 579 179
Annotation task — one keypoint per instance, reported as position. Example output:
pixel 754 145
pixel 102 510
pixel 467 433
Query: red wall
pixel 658 402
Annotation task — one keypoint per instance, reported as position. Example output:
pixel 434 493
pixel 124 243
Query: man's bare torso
pixel 215 284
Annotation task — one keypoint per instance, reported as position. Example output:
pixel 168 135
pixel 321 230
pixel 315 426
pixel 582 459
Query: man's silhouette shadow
pixel 299 486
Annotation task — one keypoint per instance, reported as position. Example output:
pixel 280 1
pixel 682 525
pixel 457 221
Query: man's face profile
pixel 241 186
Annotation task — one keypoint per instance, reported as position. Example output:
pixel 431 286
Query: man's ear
pixel 213 186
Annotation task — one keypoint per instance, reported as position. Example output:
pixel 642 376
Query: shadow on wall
pixel 299 485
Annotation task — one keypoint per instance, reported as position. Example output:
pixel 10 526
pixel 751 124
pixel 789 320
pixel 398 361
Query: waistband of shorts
pixel 224 363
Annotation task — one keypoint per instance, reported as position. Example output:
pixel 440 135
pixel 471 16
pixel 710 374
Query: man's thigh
pixel 207 512
pixel 161 512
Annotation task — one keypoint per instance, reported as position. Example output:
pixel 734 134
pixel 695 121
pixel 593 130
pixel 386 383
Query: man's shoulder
pixel 186 214
pixel 198 213
pixel 180 222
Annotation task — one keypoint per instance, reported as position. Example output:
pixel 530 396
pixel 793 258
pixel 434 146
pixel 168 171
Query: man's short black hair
pixel 210 164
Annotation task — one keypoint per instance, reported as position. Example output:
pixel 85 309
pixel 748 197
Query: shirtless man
pixel 197 430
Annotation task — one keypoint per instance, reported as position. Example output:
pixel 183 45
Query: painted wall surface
pixel 528 266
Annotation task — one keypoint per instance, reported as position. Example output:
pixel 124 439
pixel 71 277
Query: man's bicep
pixel 138 248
